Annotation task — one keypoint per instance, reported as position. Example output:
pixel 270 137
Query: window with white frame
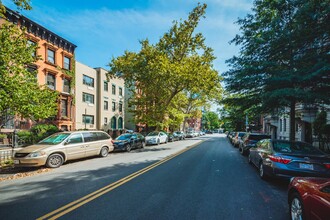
pixel 120 107
pixel 51 56
pixel 51 81
pixel 89 81
pixel 106 105
pixel 113 106
pixel 67 63
pixel 113 89
pixel 88 119
pixel 120 91
pixel 105 86
pixel 66 85
pixel 88 98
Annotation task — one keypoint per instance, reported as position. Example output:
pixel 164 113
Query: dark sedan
pixel 173 137
pixel 309 198
pixel 280 158
pixel 129 141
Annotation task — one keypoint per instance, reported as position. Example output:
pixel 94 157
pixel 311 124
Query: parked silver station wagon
pixel 58 148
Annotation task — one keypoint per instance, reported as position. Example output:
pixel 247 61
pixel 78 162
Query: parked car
pixel 249 140
pixel 181 134
pixel 173 137
pixel 309 198
pixel 58 148
pixel 281 158
pixel 237 138
pixel 190 134
pixel 129 141
pixel 156 137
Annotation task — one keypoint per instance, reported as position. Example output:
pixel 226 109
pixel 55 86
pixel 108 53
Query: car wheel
pixel 54 161
pixel 262 171
pixel 128 148
pixel 296 207
pixel 104 152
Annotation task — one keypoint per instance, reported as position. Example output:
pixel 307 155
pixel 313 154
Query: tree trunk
pixel 292 135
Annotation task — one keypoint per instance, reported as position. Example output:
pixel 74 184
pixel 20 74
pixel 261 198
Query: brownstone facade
pixel 55 68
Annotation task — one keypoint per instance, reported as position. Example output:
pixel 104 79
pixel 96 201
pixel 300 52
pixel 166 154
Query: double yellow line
pixel 77 203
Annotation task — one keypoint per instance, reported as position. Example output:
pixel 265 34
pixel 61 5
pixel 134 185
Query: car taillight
pixel 327 165
pixel 279 159
pixel 112 141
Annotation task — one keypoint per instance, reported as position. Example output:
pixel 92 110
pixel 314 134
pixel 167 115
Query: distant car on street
pixel 181 134
pixel 190 134
pixel 286 159
pixel 129 141
pixel 156 137
pixel 309 198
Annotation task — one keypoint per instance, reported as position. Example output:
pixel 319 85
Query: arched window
pixel 113 123
pixel 120 123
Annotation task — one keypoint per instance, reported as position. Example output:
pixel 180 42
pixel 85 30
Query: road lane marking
pixel 79 202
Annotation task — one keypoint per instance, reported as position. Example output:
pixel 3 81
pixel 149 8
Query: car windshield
pixel 124 137
pixel 295 147
pixel 153 133
pixel 55 138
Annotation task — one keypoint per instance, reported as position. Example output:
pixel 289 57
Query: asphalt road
pixel 210 180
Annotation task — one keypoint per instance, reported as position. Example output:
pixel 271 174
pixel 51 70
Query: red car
pixel 309 198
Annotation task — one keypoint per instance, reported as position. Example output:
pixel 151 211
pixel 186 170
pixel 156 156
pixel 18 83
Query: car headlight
pixel 36 154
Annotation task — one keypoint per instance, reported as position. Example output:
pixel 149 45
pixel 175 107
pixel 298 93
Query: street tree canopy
pixel 179 62
pixel 20 93
pixel 284 56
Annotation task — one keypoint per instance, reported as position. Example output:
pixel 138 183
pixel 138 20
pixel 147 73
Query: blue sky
pixel 103 29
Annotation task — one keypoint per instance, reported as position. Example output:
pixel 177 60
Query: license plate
pixel 306 166
pixel 16 161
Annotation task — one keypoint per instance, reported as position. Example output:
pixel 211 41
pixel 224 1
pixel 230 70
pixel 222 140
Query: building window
pixel 120 123
pixel 284 124
pixel 51 83
pixel 113 123
pixel 51 56
pixel 113 106
pixel 113 89
pixel 88 119
pixel 105 120
pixel 88 98
pixel 66 85
pixel 121 91
pixel 120 107
pixel 106 106
pixel 89 81
pixel 106 86
pixel 64 108
pixel 32 43
pixel 67 63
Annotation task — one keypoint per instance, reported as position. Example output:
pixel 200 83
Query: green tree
pixel 20 93
pixel 284 58
pixel 179 62
pixel 211 120
pixel 21 4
